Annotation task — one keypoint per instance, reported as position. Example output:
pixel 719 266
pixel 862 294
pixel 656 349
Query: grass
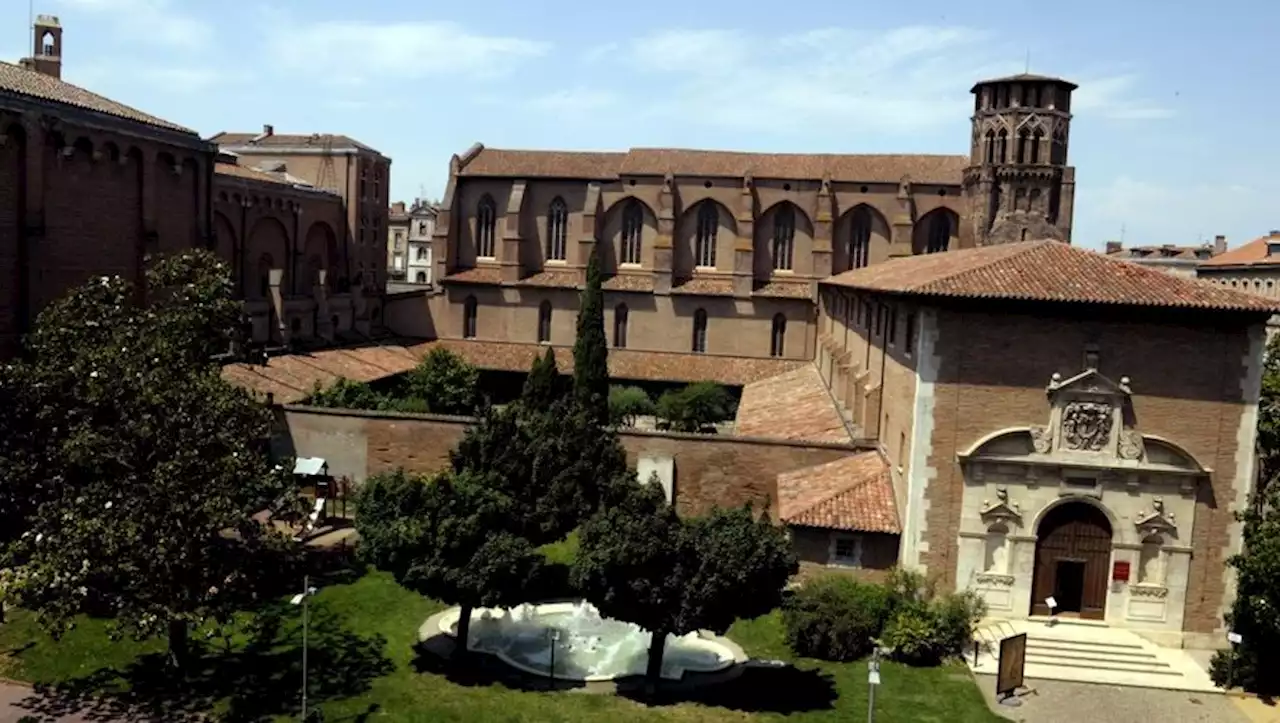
pixel 363 666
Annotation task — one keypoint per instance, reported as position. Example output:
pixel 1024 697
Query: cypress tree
pixel 542 387
pixel 591 349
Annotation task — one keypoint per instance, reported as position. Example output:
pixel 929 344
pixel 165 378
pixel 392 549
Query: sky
pixel 1172 137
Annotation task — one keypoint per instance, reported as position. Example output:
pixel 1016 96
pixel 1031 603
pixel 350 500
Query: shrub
pixel 696 408
pixel 347 394
pixel 627 403
pixel 445 381
pixel 926 632
pixel 835 617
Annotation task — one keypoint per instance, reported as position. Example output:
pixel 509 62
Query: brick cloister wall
pixel 710 471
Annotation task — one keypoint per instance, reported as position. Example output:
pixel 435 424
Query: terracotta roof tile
pixel 705 286
pixel 629 282
pixel 795 405
pixel 478 275
pixel 731 164
pixel 554 278
pixel 252 174
pixel 786 288
pixel 544 164
pixel 1045 271
pixel 1025 77
pixel 19 80
pixel 243 141
pixel 292 377
pixel 854 493
pixel 1254 253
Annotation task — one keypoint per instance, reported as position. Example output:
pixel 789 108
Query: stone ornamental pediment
pixel 1087 416
pixel 1001 509
pixel 1156 521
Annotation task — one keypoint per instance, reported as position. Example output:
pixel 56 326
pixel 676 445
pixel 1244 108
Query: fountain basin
pixel 587 647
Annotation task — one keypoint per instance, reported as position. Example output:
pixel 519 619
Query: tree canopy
pixel 147 467
pixel 637 561
pixel 543 385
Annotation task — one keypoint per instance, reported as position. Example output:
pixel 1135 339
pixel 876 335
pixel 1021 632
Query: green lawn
pixel 364 667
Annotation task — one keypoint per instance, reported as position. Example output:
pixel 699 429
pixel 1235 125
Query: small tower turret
pixel 1018 183
pixel 46 47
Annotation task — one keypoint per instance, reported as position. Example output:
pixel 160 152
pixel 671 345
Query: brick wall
pixel 709 470
pixel 1186 388
pixel 813 548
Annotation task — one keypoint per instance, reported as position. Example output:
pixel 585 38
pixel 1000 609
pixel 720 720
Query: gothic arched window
pixel 632 232
pixel 557 230
pixel 784 237
pixel 486 227
pixel 704 245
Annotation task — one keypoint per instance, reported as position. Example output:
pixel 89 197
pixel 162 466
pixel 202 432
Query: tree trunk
pixel 460 646
pixel 178 643
pixel 653 674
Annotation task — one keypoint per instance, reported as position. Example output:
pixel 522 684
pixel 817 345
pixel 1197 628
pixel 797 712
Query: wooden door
pixel 1070 536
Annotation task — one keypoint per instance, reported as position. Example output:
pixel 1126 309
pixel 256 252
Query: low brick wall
pixel 710 470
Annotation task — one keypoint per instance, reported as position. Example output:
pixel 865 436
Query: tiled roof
pixel 1254 253
pixel 795 405
pixel 1045 271
pixel 250 174
pixel 292 377
pixel 19 80
pixel 853 493
pixel 1190 253
pixel 870 168
pixel 243 141
pixel 1025 78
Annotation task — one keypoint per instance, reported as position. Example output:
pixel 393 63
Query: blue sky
pixel 1172 139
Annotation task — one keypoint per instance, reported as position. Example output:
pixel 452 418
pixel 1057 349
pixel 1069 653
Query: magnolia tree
pixel 140 468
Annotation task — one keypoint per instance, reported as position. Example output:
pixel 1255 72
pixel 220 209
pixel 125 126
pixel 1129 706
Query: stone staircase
pixel 1089 652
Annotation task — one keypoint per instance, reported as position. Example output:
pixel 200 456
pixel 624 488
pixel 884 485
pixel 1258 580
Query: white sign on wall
pixel 664 467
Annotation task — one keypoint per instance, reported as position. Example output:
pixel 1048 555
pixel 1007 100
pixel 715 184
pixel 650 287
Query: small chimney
pixel 1219 244
pixel 268 130
pixel 1114 247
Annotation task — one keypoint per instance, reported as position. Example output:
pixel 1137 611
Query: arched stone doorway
pixel 1073 554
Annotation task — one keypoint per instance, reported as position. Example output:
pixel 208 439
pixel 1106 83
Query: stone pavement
pixel 1058 701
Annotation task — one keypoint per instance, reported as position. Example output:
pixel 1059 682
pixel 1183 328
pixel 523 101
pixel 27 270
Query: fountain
pixel 587 646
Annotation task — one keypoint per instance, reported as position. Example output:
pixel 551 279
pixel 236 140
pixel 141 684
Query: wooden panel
pixel 1073 532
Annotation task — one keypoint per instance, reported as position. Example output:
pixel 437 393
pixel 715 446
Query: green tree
pixel 627 403
pixel 637 561
pixel 347 394
pixel 697 407
pixel 591 348
pixel 446 539
pixel 543 386
pixel 153 466
pixel 1253 663
pixel 445 381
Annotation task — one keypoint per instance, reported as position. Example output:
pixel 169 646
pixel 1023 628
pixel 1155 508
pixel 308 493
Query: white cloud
pixel 1155 213
pixel 356 52
pixel 158 22
pixel 825 80
pixel 574 101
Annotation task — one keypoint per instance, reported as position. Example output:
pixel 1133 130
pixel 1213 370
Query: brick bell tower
pixel 1018 184
pixel 46 47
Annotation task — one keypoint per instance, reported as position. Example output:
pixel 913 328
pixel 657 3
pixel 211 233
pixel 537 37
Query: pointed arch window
pixel 990 149
pixel 486 227
pixel 1023 139
pixel 1037 139
pixel 620 314
pixel 778 339
pixel 469 309
pixel 632 232
pixel 860 238
pixel 544 322
pixel 939 233
pixel 784 236
pixel 1002 141
pixel 699 331
pixel 704 243
pixel 557 230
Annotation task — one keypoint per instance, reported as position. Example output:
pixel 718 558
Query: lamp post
pixel 301 599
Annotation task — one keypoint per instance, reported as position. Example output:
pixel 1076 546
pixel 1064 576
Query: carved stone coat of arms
pixel 1086 426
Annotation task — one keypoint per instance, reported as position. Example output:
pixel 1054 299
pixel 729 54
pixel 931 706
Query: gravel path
pixel 1057 701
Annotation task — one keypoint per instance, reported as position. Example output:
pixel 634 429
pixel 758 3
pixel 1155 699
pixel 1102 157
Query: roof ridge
pixel 1028 247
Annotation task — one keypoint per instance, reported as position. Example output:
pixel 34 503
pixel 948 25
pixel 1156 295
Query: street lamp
pixel 301 599
pixel 554 634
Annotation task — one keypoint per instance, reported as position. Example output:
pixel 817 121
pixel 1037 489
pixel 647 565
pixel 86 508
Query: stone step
pixel 1070 661
pixel 1105 656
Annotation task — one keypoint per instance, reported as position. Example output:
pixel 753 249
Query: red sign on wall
pixel 1120 571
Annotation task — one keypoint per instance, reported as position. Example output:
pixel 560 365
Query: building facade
pixel 1046 439
pixel 1171 259
pixel 422 229
pixel 397 241
pixel 720 253
pixel 284 241
pixel 360 175
pixel 79 171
